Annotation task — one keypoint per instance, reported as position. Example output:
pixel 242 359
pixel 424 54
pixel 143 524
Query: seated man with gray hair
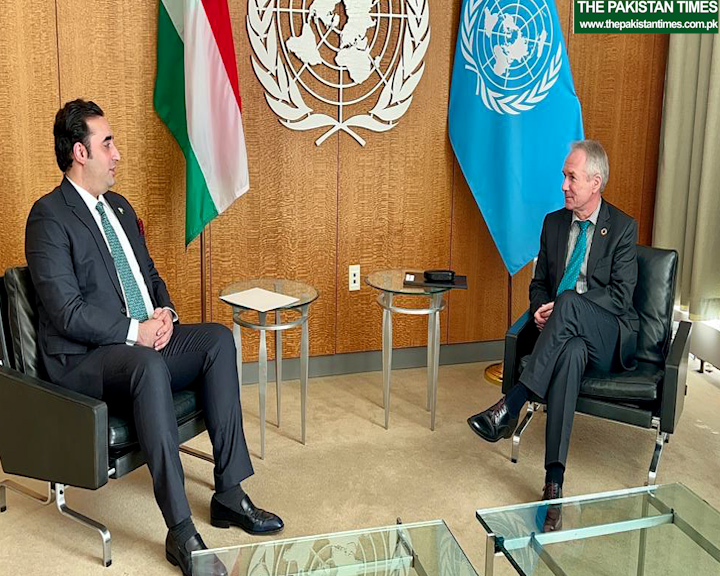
pixel 581 299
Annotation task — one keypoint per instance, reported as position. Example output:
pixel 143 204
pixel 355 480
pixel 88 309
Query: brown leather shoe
pixel 495 423
pixel 553 516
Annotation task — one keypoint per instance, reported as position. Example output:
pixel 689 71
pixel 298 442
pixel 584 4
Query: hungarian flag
pixel 197 96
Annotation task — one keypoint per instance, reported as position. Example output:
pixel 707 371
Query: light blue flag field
pixel 513 114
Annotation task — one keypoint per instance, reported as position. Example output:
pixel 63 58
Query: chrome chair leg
pixel 85 521
pixel 25 491
pixel 532 407
pixel 660 440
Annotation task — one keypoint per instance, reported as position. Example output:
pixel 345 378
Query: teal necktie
pixel 572 270
pixel 130 286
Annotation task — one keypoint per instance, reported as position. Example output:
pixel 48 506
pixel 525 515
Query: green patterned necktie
pixel 127 279
pixel 572 271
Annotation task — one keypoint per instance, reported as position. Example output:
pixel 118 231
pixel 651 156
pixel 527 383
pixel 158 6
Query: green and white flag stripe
pixel 197 96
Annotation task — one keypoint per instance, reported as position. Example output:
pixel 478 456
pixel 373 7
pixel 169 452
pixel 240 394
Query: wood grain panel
pixel 652 151
pixel 614 76
pixel 107 54
pixel 29 93
pixel 520 291
pixel 285 225
pixel 564 10
pixel 480 312
pixel 394 200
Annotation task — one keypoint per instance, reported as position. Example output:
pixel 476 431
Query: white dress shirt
pixel 92 202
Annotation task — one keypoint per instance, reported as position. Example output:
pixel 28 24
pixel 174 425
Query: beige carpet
pixel 355 474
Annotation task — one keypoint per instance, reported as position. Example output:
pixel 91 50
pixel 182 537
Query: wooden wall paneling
pixel 394 199
pixel 613 76
pixel 29 93
pixel 285 225
pixel 564 10
pixel 107 54
pixel 480 312
pixel 655 97
pixel 520 291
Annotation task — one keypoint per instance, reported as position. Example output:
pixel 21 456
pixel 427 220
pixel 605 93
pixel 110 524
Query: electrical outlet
pixel 354 277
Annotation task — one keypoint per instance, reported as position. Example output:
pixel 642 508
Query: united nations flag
pixel 513 113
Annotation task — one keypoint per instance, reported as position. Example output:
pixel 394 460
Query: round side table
pixel 306 295
pixel 391 283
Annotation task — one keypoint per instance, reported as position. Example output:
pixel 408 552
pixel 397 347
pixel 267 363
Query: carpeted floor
pixel 355 474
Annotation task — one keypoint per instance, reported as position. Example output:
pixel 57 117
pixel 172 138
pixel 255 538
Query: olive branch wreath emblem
pixel 496 101
pixel 285 97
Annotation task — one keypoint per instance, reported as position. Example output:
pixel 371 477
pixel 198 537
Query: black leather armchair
pixel 53 434
pixel 652 396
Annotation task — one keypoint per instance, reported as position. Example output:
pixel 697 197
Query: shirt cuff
pixel 174 314
pixel 132 334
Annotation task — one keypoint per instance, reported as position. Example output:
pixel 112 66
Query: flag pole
pixel 203 455
pixel 203 281
pixel 494 372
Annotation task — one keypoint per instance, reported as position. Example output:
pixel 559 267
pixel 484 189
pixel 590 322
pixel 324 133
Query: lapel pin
pixel 123 212
pixel 603 232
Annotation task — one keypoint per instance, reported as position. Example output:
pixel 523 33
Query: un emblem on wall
pixel 512 48
pixel 340 65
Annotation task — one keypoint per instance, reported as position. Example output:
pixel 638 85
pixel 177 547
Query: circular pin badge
pixel 603 232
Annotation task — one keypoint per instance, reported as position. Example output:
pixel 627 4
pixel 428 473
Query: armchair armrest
pixel 674 386
pixel 51 433
pixel 519 341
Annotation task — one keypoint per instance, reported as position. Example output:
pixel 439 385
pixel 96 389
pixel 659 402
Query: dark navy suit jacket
pixel 80 301
pixel 611 269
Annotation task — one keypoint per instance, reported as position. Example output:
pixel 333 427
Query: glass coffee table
pixel 420 549
pixel 391 283
pixel 648 531
pixel 305 295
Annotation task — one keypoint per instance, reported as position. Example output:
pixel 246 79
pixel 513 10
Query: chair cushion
pixel 639 385
pixel 121 430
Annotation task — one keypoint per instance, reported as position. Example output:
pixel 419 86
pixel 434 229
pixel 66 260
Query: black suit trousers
pixel 579 334
pixel 140 381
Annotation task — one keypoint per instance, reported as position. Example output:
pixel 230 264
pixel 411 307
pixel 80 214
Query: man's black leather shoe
pixel 181 555
pixel 494 423
pixel 553 516
pixel 251 519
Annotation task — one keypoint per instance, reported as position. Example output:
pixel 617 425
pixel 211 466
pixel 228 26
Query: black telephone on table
pixel 444 276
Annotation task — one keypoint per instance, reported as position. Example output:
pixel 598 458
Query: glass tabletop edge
pixel 421 524
pixel 571 499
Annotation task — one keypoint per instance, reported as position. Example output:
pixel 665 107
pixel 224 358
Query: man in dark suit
pixel 581 302
pixel 107 328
